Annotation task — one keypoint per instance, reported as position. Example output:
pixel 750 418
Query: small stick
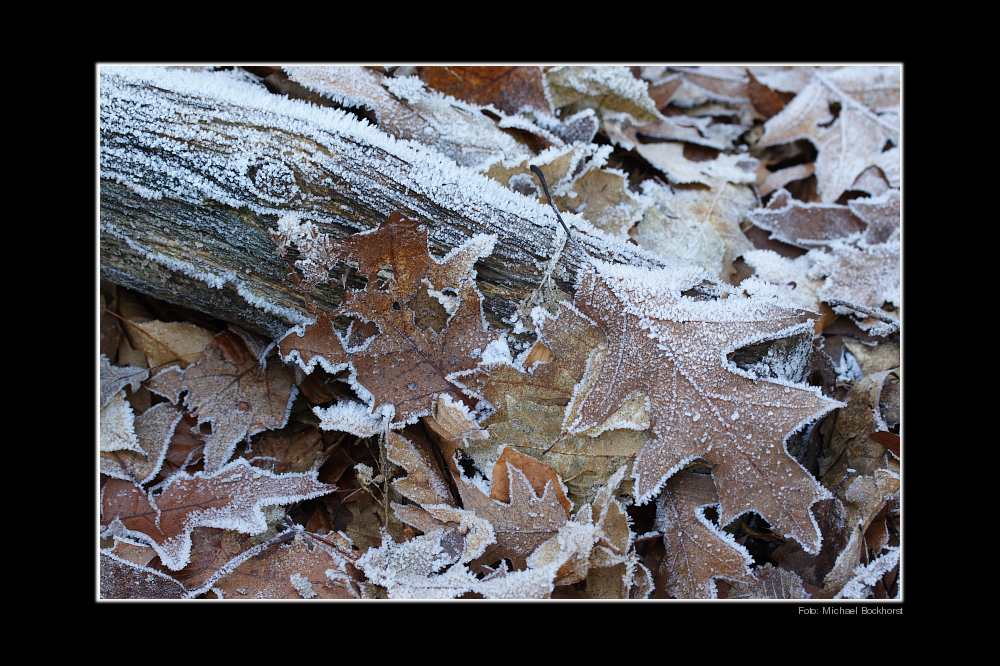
pixel 545 188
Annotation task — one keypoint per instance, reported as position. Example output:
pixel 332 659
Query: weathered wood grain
pixel 197 166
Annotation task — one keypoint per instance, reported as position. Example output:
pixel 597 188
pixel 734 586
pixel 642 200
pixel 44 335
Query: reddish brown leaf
pixel 230 498
pixel 509 89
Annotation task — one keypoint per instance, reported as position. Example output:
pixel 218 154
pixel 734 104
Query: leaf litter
pixel 461 458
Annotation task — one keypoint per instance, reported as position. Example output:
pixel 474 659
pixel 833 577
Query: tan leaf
pixel 670 159
pixel 118 427
pixel 604 89
pixel 668 348
pixel 154 430
pixel 165 342
pixel 526 506
pixel 697 552
pixel 426 337
pixel 231 498
pixel 228 388
pixel 696 226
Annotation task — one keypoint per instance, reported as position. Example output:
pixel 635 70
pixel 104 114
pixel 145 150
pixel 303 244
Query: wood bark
pixel 196 170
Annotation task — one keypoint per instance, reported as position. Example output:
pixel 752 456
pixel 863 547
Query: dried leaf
pixel 228 388
pixel 166 342
pixel 806 225
pixel 526 506
pixel 697 552
pixel 696 227
pixel 670 159
pixel 603 89
pixel 668 347
pixel 307 567
pixel 230 498
pixel 114 379
pixel 405 109
pixel 509 89
pixel 154 429
pixel 847 144
pixel 770 582
pixel 121 579
pixel 401 369
pixel 118 427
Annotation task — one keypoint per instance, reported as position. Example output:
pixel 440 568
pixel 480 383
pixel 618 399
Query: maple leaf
pixel 230 498
pixel 670 350
pixel 426 337
pixel 697 552
pixel 229 388
pixel 848 144
pixel 509 89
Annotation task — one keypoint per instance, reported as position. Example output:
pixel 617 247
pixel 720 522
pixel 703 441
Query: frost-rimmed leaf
pixel 770 582
pixel 604 89
pixel 406 109
pixel 154 429
pixel 848 144
pixel 868 575
pixel 231 498
pixel 115 378
pixel 292 565
pixel 669 158
pixel 118 426
pixel 697 552
pixel 228 388
pixel 410 361
pixel 671 349
pixel 121 579
pixel 350 416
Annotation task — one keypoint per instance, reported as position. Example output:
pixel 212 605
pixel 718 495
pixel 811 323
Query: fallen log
pixel 197 167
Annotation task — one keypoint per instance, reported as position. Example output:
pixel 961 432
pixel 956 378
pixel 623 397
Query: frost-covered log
pixel 198 166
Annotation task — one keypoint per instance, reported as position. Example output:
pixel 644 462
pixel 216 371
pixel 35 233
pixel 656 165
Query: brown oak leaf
pixel 669 350
pixel 230 498
pixel 697 552
pixel 427 311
